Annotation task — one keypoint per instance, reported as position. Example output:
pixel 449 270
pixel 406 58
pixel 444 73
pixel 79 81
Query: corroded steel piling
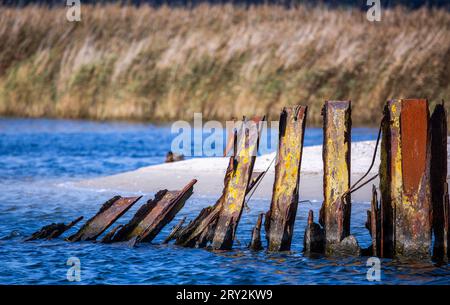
pixel 175 230
pixel 446 220
pixel 155 214
pixel 233 203
pixel 373 224
pixel 390 173
pixel 438 178
pixel 106 216
pixel 108 238
pixel 405 179
pixel 255 243
pixel 217 224
pixel 280 219
pixel 53 230
pixel 314 239
pixel 336 208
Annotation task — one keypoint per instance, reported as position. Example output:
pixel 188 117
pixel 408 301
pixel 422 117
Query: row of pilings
pixel 413 204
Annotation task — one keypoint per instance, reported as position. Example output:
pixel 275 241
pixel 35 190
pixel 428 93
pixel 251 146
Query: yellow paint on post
pixel 281 217
pixel 236 189
pixel 335 212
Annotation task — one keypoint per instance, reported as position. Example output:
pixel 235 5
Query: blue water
pixel 37 159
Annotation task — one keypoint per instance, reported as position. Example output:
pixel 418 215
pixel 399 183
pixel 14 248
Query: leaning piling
pixel 153 216
pixel 111 210
pixel 216 225
pixel 230 214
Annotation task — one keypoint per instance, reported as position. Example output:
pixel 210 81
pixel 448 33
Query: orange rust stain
pixel 414 133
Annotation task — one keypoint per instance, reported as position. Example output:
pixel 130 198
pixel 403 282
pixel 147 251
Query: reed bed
pixel 163 64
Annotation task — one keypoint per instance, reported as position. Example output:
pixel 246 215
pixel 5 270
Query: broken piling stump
pixel 438 168
pixel 405 179
pixel 280 219
pixel 336 208
pixel 111 210
pixel 53 230
pixel 175 231
pixel 314 238
pixel 155 214
pixel 217 224
pixel 373 224
pixel 255 243
pixel 108 238
pixel 200 230
pixel 447 219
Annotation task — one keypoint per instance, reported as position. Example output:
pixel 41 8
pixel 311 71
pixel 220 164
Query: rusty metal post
pixel 438 178
pixel 336 208
pixel 255 243
pixel 108 238
pixel 446 219
pixel 314 238
pixel 280 219
pixel 373 224
pixel 217 224
pixel 155 214
pixel 390 176
pixel 175 230
pixel 111 210
pixel 53 230
pixel 405 179
pixel 230 214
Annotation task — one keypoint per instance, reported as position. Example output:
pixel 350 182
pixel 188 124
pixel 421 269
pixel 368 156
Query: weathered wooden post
pixel 280 219
pixel 336 209
pixel 405 179
pixel 111 210
pixel 438 169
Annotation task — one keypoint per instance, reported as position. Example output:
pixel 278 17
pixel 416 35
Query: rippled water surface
pixel 39 157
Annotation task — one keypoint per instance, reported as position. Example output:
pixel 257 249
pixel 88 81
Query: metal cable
pixel 257 184
pixel 355 186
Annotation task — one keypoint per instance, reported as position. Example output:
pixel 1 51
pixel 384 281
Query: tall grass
pixel 166 63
